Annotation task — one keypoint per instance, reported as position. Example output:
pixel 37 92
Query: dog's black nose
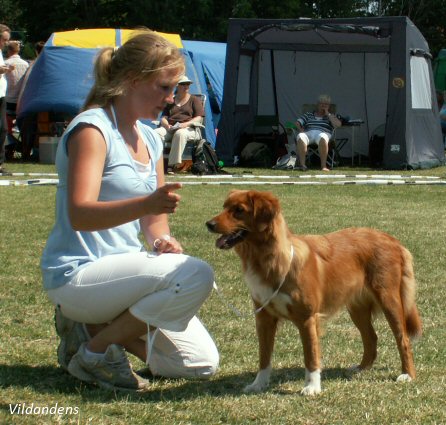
pixel 210 225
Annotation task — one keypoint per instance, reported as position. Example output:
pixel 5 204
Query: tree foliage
pixel 207 19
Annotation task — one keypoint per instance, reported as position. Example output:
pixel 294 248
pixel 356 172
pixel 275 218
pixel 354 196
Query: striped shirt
pixel 309 121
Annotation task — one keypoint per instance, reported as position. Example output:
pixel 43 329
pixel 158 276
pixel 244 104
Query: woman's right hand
pixel 164 200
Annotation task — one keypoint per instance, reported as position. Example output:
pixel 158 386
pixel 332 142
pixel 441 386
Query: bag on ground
pixel 256 154
pixel 285 162
pixel 204 159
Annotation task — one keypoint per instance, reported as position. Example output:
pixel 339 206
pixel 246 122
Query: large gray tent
pixel 375 69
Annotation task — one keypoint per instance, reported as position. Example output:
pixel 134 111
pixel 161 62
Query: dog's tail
pixel 408 290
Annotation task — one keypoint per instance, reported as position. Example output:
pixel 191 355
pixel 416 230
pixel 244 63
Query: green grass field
pixel 416 214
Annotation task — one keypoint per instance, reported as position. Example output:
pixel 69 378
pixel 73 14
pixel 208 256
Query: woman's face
pixel 323 107
pixel 4 38
pixel 183 88
pixel 150 96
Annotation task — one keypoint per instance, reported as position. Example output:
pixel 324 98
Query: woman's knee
pixel 202 273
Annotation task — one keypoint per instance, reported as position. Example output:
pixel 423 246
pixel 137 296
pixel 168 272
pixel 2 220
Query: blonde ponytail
pixel 143 56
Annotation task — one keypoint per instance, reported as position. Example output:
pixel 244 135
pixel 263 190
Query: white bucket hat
pixel 185 80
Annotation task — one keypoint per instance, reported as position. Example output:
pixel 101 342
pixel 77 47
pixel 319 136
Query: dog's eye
pixel 239 210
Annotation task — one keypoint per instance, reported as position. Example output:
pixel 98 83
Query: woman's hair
pixel 324 98
pixel 4 28
pixel 143 56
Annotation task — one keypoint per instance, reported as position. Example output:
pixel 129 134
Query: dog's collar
pixel 258 310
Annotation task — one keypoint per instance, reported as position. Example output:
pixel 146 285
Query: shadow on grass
pixel 52 380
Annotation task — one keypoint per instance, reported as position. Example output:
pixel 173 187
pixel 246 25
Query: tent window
pixel 420 83
pixel 243 79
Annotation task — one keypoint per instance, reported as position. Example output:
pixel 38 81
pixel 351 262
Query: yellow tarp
pixel 101 37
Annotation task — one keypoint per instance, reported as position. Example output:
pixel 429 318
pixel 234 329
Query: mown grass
pixel 413 213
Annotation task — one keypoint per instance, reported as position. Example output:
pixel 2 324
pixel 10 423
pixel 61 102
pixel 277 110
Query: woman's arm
pixel 86 158
pixel 156 227
pixel 165 123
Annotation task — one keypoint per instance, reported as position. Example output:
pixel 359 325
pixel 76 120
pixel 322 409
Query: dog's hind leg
pixel 266 326
pixel 392 307
pixel 361 316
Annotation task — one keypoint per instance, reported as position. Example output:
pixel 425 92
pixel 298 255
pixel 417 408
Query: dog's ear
pixel 265 208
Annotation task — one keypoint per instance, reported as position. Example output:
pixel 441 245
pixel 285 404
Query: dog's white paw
pixel 261 382
pixel 354 369
pixel 405 377
pixel 311 390
pixel 312 382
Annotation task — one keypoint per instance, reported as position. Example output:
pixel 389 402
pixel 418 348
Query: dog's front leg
pixel 310 340
pixel 266 326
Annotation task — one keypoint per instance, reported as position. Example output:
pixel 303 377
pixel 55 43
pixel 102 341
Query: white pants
pixel 164 291
pixel 179 140
pixel 313 137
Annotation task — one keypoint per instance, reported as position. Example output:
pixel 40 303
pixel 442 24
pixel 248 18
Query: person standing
pixel 15 77
pixel 5 35
pixel 27 124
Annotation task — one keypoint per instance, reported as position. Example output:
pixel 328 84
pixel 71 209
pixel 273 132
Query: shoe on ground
pixel 170 171
pixel 301 168
pixel 72 334
pixel 112 370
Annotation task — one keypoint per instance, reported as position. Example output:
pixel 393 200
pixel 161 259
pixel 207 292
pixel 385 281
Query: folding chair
pixel 269 130
pixel 267 127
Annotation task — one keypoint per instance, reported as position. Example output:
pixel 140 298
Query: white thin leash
pixel 228 304
pixel 258 310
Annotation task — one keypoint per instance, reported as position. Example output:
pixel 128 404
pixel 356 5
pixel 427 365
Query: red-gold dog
pixel 305 278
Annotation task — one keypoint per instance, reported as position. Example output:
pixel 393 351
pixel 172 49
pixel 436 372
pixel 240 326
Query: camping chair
pixel 267 127
pixel 269 130
pixel 199 134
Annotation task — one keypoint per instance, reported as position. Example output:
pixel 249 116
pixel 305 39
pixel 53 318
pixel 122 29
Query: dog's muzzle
pixel 226 241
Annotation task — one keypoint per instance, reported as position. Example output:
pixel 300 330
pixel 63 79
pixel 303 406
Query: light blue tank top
pixel 67 251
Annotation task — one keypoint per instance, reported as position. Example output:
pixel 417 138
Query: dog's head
pixel 245 212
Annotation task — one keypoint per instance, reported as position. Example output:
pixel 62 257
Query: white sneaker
pixel 72 334
pixel 112 370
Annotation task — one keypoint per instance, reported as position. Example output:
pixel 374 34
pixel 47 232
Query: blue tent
pixel 209 62
pixel 62 75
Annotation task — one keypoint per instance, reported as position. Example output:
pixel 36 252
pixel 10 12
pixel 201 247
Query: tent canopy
pixel 375 69
pixel 62 75
pixel 100 37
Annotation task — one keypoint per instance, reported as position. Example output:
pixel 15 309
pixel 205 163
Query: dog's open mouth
pixel 228 241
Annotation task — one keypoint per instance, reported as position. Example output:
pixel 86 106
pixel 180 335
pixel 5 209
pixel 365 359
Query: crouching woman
pixel 112 297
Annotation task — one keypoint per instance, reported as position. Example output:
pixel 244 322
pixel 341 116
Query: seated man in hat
pixel 178 122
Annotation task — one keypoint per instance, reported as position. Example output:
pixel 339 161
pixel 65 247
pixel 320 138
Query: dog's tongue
pixel 228 241
pixel 222 242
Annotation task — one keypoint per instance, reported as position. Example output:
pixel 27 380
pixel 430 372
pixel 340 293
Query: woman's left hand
pixel 167 244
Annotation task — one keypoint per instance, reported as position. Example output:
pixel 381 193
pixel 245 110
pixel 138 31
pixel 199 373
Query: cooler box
pixel 47 149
